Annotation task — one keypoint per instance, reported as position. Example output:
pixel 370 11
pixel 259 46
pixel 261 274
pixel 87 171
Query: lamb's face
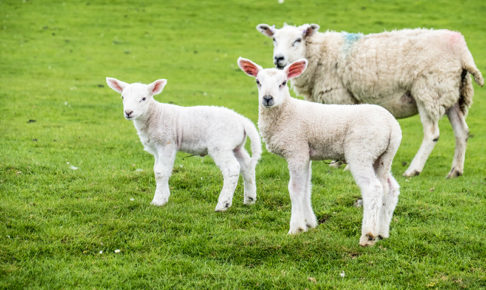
pixel 289 42
pixel 137 98
pixel 271 82
pixel 272 87
pixel 136 101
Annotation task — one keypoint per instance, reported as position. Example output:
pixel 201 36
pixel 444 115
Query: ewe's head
pixel 289 42
pixel 271 82
pixel 137 98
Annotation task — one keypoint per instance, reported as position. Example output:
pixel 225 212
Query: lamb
pixel 165 129
pixel 365 136
pixel 407 71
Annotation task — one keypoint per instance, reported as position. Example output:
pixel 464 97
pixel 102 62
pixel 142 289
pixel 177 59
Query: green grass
pixel 54 221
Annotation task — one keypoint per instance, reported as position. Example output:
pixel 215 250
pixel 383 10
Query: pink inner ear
pixel 157 86
pixel 249 68
pixel 116 85
pixel 295 69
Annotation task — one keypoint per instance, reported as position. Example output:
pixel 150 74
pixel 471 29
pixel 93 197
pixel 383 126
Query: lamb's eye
pixel 297 41
pixel 123 98
pixel 258 83
pixel 283 84
pixel 274 39
pixel 143 99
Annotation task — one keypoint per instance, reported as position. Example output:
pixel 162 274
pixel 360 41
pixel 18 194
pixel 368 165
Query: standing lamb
pixel 365 136
pixel 420 71
pixel 165 129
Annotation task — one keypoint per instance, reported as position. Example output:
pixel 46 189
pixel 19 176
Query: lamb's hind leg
pixel 461 132
pixel 372 192
pixel 230 168
pixel 248 172
pixel 431 136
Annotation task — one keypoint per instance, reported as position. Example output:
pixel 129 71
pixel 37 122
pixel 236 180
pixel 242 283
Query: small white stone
pixel 342 274
pixel 117 251
pixel 132 199
pixel 101 252
pixel 73 167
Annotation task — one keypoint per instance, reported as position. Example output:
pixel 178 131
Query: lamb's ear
pixel 249 67
pixel 266 30
pixel 309 29
pixel 116 85
pixel 296 68
pixel 156 87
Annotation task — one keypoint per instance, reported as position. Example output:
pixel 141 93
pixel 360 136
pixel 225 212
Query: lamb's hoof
pixel 249 200
pixel 454 173
pixel 159 202
pixel 295 230
pixel 311 223
pixel 411 173
pixel 223 206
pixel 367 240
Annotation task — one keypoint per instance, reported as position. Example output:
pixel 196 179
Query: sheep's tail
pixel 256 145
pixel 466 88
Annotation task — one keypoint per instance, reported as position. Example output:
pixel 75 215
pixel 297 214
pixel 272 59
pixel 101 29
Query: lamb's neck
pixel 143 122
pixel 269 118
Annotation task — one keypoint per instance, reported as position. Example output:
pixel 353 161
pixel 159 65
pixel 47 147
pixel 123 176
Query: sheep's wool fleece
pixel 393 69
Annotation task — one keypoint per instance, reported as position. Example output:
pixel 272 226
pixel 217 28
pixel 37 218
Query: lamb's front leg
pixel 299 174
pixel 164 161
pixel 310 217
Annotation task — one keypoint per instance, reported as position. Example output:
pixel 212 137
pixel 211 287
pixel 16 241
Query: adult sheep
pixel 407 71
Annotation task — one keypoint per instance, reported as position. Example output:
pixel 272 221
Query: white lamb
pixel 365 136
pixel 407 71
pixel 165 129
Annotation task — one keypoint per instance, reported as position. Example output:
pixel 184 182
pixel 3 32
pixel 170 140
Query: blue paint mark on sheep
pixel 349 40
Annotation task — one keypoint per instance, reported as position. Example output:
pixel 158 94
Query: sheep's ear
pixel 156 87
pixel 266 30
pixel 249 67
pixel 296 68
pixel 309 29
pixel 116 85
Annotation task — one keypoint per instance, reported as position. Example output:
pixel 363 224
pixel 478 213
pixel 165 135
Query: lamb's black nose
pixel 267 100
pixel 128 113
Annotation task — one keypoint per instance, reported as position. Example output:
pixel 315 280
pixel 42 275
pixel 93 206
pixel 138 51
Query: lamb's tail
pixel 256 145
pixel 466 88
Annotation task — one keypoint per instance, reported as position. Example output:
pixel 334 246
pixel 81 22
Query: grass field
pixel 60 228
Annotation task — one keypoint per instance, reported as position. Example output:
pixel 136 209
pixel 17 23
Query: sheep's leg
pixel 372 192
pixel 248 173
pixel 310 217
pixel 461 132
pixel 431 136
pixel 230 168
pixel 164 161
pixel 299 178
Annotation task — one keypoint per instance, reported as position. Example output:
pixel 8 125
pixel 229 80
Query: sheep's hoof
pixel 367 240
pixel 223 206
pixel 411 173
pixel 454 173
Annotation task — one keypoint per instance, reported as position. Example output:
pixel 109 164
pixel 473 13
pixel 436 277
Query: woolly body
pixel 406 71
pixel 165 129
pixel 365 136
